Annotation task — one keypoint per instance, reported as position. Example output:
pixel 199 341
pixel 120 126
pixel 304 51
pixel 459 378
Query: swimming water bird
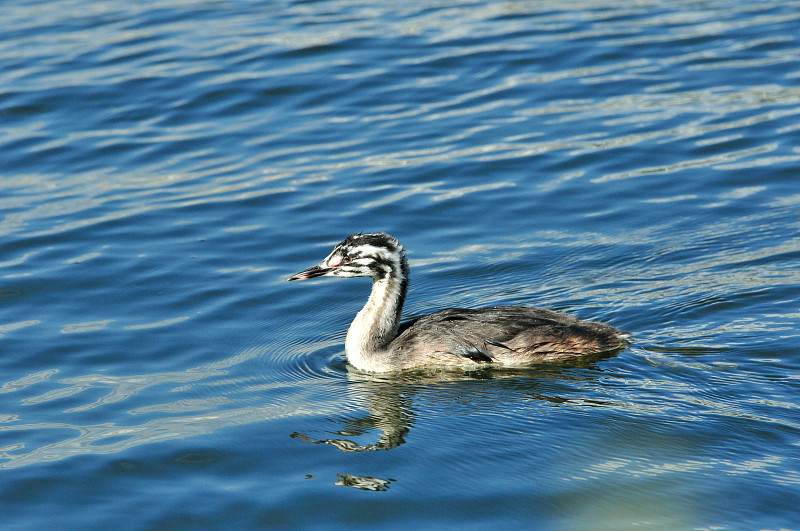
pixel 502 335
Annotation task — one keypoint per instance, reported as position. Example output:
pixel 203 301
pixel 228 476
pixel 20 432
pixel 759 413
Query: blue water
pixel 167 164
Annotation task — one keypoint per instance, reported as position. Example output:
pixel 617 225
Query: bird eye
pixel 346 259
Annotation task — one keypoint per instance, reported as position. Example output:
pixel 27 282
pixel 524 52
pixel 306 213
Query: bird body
pixel 502 335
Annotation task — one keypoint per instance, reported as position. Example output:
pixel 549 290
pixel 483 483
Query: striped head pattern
pixel 361 255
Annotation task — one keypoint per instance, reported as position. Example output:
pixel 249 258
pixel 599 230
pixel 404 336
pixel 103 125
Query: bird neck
pixel 376 324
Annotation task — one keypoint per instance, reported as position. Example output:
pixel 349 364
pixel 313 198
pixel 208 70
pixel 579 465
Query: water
pixel 166 165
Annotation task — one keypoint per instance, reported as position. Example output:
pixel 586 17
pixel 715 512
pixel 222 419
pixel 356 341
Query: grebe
pixel 502 335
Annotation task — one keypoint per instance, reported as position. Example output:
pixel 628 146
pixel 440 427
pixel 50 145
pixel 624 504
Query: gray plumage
pixel 502 335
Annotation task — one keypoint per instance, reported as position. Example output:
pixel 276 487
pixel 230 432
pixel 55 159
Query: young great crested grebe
pixel 503 335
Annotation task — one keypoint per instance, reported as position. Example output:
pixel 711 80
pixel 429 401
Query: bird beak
pixel 311 272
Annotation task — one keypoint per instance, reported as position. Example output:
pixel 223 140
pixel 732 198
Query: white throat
pixel 375 326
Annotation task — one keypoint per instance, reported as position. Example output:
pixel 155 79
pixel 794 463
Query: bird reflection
pixel 390 398
pixel 389 412
pixel 363 482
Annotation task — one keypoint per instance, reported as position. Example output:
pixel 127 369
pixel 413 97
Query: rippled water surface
pixel 166 165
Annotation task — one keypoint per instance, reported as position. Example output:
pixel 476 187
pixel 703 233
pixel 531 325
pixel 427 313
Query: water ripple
pixel 146 134
pixel 175 419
